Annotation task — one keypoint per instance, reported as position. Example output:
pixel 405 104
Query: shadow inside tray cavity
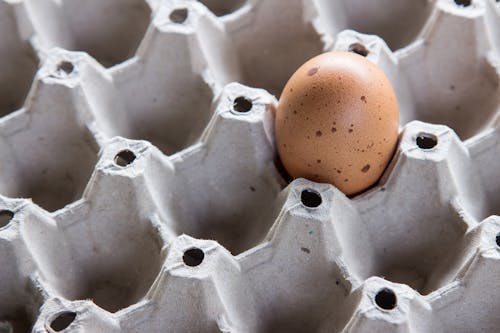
pixel 52 160
pixel 236 225
pixel 421 253
pixel 223 7
pixel 119 271
pixel 492 188
pixel 18 300
pixel 398 23
pixel 18 65
pixel 284 43
pixel 172 112
pixel 458 88
pixel 236 210
pixel 465 106
pixel 16 322
pixel 112 257
pixel 495 206
pixel 175 124
pixel 109 30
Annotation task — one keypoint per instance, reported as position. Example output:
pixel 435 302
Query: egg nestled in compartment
pixel 337 122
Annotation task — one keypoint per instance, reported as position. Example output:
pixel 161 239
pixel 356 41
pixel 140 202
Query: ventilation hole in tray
pixel 359 49
pixel 124 158
pixel 62 321
pixel 179 15
pixel 242 104
pixel 193 257
pixel 65 67
pixel 386 299
pixel 5 217
pixel 426 141
pixel 310 198
pixel 498 239
pixel 464 3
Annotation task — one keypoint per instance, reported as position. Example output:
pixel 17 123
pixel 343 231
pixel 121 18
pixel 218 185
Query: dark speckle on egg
pixel 312 71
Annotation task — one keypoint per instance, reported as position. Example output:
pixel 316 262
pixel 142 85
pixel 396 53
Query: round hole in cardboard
pixel 66 67
pixel 358 48
pixel 426 141
pixel 5 217
pixel 179 15
pixel 242 104
pixel 310 198
pixel 124 158
pixel 464 3
pixel 193 257
pixel 62 321
pixel 386 299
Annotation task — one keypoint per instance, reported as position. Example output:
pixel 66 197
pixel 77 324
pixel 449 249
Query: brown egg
pixel 337 122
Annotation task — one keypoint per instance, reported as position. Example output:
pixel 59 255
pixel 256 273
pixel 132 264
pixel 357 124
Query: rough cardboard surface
pixel 158 203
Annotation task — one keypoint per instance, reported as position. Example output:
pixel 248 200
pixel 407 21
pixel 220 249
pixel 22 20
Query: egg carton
pixel 158 202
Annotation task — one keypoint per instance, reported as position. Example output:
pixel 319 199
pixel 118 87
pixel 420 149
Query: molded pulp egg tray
pixel 142 131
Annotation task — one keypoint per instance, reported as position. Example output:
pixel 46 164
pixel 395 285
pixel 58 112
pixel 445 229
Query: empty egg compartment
pixel 19 60
pixel 48 152
pixel 166 102
pixel 107 248
pixel 109 30
pixel 398 23
pixel 456 88
pixel 284 41
pixel 234 207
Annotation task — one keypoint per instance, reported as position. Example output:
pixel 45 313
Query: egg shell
pixel 337 122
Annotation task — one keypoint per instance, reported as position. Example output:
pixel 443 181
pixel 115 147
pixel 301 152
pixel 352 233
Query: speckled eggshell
pixel 337 122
